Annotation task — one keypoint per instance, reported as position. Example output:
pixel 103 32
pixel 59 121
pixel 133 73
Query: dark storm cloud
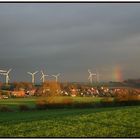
pixel 70 38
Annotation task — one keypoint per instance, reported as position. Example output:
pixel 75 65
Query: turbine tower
pixel 43 76
pixel 56 77
pixel 33 76
pixel 91 76
pixel 6 73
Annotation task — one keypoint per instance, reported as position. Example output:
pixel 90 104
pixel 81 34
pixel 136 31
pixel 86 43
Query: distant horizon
pixel 40 82
pixel 2 79
pixel 70 38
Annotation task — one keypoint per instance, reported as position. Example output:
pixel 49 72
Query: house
pixel 30 92
pixel 19 93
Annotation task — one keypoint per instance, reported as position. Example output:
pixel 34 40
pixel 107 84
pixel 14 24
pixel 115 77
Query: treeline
pixel 133 82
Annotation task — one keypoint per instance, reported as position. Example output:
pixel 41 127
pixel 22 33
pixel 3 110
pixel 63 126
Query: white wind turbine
pixel 91 75
pixel 56 76
pixel 33 76
pixel 6 73
pixel 43 76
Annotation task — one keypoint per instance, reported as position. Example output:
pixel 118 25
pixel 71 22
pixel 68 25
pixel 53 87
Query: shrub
pixel 41 104
pixel 56 105
pixel 67 101
pixel 127 103
pixel 24 108
pixel 128 98
pixel 52 102
pixel 106 99
pixel 82 105
pixel 5 109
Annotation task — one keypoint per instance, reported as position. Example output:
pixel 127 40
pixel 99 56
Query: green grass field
pixel 101 122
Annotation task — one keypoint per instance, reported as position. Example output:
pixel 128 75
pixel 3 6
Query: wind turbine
pixel 6 74
pixel 56 76
pixel 91 75
pixel 33 76
pixel 43 76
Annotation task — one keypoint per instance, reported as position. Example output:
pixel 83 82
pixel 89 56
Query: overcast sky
pixel 69 38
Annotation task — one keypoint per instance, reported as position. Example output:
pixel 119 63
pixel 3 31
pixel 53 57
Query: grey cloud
pixel 69 38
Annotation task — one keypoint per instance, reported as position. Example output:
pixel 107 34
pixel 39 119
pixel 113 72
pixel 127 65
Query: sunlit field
pixel 103 122
pixel 68 122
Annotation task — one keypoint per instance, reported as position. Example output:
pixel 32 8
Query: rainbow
pixel 117 73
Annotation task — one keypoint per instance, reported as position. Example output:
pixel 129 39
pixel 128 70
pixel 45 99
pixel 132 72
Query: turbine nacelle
pixel 32 73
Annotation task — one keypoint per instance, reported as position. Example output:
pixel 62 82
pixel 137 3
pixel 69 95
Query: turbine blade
pixel 89 71
pixel 35 72
pixel 42 72
pixel 9 71
pixel 29 73
pixel 3 71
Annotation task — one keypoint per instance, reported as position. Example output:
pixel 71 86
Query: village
pixel 49 88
